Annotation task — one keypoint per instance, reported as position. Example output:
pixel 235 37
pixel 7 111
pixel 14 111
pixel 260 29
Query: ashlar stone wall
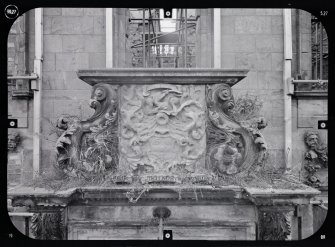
pixel 74 38
pixel 253 39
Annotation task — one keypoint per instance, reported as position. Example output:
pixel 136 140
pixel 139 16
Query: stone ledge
pixel 232 194
pixel 158 75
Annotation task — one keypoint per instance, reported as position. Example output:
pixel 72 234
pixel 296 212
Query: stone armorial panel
pixel 162 128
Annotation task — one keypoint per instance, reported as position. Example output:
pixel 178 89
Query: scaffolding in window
pixel 159 42
pixel 318 85
pixel 319 43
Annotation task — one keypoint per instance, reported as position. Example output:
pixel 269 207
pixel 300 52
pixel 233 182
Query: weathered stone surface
pixel 277 26
pixel 243 11
pixel 94 11
pixel 52 11
pixel 72 11
pixel 269 11
pixel 52 43
pixel 99 24
pixel 73 43
pixel 97 60
pixel 95 43
pixel 270 80
pixel 228 60
pixel 227 24
pixel 244 43
pixel 71 61
pixel 246 60
pixel 72 25
pixel 277 61
pixel 49 61
pixel 227 43
pixel 263 61
pixel 253 24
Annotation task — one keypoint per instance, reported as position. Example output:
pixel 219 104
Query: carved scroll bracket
pixel 90 146
pixel 233 147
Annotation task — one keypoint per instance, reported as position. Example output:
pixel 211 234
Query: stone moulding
pixel 122 76
pixel 273 206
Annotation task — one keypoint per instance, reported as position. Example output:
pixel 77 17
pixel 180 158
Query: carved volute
pixel 91 145
pixel 232 147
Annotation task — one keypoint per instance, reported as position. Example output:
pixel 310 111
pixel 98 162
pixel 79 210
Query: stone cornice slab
pixel 121 76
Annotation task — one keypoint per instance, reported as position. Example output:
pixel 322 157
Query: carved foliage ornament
pixel 162 128
pixel 48 226
pixel 316 160
pixel 273 225
pixel 232 147
pixel 90 145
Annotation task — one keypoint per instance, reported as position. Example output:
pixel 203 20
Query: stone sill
pixel 310 94
pixel 22 94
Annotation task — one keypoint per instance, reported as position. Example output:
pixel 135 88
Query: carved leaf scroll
pixel 232 147
pixel 91 145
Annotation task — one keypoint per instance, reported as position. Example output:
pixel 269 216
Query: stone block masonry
pixel 253 39
pixel 74 38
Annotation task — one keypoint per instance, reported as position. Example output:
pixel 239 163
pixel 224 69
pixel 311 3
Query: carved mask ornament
pixel 13 140
pixel 316 161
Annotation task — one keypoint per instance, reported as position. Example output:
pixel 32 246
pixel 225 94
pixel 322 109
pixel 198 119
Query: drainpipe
pixel 109 37
pixel 288 88
pixel 217 38
pixel 37 87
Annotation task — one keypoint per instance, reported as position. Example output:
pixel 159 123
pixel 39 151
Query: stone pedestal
pixel 165 138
